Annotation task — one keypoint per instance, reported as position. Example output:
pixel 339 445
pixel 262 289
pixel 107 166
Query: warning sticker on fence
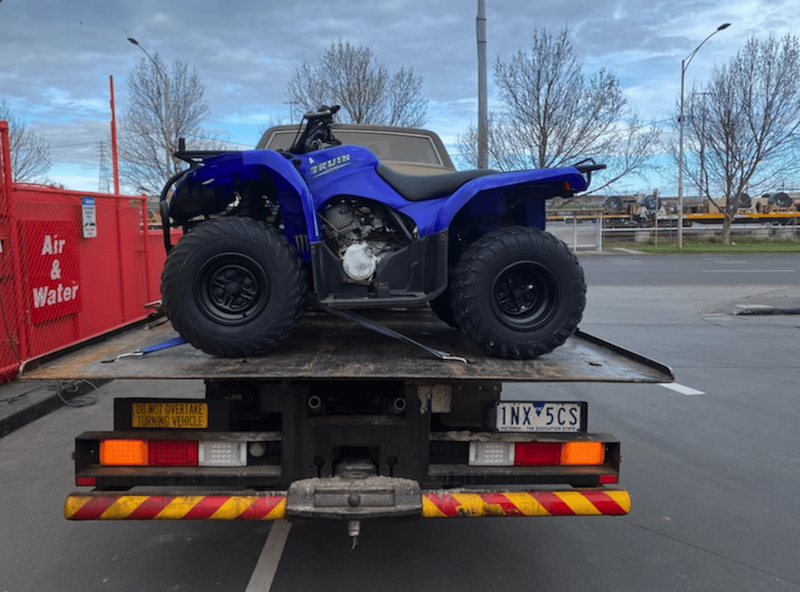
pixel 89 217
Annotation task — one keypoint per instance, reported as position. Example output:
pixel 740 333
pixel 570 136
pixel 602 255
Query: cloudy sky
pixel 56 56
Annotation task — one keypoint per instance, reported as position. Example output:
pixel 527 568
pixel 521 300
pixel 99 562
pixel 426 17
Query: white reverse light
pixel 491 454
pixel 222 454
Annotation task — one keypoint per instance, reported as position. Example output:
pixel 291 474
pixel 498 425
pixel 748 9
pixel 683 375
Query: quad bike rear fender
pixel 492 196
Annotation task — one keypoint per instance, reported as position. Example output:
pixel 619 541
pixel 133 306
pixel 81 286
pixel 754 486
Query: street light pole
pixel 167 127
pixel 483 117
pixel 684 65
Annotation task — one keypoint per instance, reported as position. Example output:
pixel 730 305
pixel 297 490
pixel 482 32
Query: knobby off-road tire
pixel 233 287
pixel 518 293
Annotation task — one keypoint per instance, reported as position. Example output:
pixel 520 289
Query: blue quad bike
pixel 267 233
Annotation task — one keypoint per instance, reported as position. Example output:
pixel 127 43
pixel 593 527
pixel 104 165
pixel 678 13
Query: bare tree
pixel 30 153
pixel 353 77
pixel 162 107
pixel 554 115
pixel 742 128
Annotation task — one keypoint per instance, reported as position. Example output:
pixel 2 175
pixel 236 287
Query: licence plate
pixel 157 414
pixel 539 416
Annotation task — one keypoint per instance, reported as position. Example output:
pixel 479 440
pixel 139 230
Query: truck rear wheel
pixel 233 287
pixel 518 293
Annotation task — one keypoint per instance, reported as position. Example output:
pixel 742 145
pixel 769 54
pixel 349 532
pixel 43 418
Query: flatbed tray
pixel 324 347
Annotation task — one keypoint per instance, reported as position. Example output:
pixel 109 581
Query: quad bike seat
pixel 423 187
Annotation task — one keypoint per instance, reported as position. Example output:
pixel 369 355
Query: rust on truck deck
pixel 324 347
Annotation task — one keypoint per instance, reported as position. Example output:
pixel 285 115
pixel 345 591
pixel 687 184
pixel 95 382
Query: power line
pixel 91 142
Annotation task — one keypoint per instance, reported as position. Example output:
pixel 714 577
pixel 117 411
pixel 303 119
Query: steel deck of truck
pixel 324 347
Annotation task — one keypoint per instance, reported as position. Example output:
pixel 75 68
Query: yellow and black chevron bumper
pixel 102 505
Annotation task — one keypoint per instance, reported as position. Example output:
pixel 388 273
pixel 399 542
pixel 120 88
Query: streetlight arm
pixel 685 63
pixel 155 63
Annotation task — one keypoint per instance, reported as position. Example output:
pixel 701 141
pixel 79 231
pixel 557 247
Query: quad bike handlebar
pixel 323 112
pixel 317 132
pixel 586 167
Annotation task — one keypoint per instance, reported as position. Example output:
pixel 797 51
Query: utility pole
pixel 483 117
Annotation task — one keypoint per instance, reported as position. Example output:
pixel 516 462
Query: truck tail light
pixel 491 454
pixel 583 453
pixel 173 453
pixel 536 454
pixel 223 454
pixel 124 452
pixel 554 454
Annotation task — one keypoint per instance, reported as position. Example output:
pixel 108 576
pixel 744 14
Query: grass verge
pixel 740 244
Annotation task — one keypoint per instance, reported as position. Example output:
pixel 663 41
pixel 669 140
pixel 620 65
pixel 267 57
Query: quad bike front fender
pixel 490 195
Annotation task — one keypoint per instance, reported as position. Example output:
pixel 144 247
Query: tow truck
pixel 344 422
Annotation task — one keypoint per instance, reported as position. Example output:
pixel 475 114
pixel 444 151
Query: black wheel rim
pixel 232 288
pixel 524 295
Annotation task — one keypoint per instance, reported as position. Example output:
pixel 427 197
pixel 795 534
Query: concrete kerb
pixel 22 402
pixel 766 309
pixel 612 252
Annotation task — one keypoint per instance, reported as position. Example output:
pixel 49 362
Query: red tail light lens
pixel 537 454
pixel 173 453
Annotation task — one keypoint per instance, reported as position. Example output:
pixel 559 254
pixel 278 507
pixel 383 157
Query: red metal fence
pixel 72 265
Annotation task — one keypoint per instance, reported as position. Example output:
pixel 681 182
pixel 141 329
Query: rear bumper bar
pixel 261 505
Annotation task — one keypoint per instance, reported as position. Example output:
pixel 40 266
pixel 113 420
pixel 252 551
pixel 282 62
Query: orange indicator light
pixel 583 453
pixel 123 452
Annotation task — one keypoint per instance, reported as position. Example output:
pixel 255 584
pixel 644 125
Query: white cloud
pixel 58 54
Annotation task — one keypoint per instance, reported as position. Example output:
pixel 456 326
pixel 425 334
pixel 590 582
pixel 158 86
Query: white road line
pixel 750 271
pixel 264 573
pixel 679 388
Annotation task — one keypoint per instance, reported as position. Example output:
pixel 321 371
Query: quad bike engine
pixel 362 233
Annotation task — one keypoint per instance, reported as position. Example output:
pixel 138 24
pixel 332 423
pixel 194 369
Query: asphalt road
pixel 713 469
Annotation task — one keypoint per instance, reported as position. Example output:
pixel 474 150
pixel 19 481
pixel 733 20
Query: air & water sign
pixel 53 269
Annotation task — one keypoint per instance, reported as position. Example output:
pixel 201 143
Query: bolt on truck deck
pixel 345 423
